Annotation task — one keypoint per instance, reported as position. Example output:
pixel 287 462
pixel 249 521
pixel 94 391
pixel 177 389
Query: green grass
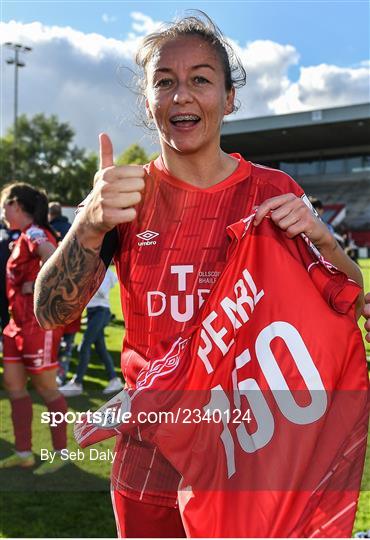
pixel 363 512
pixel 75 502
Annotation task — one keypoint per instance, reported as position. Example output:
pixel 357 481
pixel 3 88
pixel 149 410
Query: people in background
pixel 30 352
pixel 98 316
pixel 59 222
pixel 7 237
pixel 61 225
pixel 66 350
pixel 350 246
pixel 318 206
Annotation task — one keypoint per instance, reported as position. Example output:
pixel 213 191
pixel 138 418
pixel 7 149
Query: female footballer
pixel 164 224
pixel 30 352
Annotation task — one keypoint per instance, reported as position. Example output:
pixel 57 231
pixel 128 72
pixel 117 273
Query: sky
pixel 299 55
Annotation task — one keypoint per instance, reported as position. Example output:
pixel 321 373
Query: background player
pixel 98 316
pixel 59 222
pixel 165 225
pixel 29 350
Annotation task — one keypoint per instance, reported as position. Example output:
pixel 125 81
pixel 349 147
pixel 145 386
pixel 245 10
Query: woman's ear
pixel 147 110
pixel 230 100
pixel 17 206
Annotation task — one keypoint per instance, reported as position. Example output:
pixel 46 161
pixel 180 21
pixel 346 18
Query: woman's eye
pixel 200 80
pixel 163 83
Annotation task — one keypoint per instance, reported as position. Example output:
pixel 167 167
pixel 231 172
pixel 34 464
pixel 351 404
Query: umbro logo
pixel 147 235
pixel 147 238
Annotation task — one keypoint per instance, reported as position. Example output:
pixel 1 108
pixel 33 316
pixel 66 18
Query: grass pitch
pixel 75 501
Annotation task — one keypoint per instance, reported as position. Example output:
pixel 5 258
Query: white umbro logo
pixel 147 237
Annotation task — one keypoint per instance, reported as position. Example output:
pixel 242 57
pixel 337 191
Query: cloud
pixel 270 91
pixel 108 18
pixel 143 24
pixel 325 86
pixel 85 79
pixel 267 64
pixel 55 37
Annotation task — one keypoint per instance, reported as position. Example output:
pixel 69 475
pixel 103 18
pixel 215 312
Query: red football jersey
pixel 269 401
pixel 24 265
pixel 167 261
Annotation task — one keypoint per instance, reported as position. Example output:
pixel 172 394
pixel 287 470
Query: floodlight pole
pixel 17 48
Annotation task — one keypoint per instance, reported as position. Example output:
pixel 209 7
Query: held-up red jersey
pixel 274 375
pixel 168 260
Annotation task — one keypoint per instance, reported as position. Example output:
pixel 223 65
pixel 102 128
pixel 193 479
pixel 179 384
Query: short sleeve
pixel 35 236
pixel 109 247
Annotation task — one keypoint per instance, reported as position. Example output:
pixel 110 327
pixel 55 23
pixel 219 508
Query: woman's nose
pixel 182 94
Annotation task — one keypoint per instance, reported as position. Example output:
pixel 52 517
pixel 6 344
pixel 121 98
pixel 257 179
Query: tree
pixel 134 154
pixel 46 158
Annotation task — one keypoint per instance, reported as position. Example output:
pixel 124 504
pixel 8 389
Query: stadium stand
pixel 355 194
pixel 326 151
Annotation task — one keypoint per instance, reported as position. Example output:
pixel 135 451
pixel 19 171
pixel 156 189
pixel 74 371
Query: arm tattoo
pixel 66 283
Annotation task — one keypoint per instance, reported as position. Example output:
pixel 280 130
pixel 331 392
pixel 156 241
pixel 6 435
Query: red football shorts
pixel 135 519
pixel 34 347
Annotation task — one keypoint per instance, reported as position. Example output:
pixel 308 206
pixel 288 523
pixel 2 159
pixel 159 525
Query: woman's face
pixel 186 95
pixel 11 213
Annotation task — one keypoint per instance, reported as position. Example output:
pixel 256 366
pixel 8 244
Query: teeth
pixel 184 117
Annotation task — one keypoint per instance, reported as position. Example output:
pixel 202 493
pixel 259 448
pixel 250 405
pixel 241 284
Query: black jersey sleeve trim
pixel 109 246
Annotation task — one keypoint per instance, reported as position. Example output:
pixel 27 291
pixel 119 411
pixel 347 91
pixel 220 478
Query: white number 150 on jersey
pixel 279 388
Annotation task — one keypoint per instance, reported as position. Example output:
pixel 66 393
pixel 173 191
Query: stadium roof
pixel 322 132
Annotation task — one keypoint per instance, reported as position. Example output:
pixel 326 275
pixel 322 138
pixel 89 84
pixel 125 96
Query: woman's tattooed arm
pixel 66 282
pixel 76 269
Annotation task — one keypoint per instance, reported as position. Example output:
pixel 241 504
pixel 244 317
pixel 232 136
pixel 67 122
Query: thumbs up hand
pixel 105 151
pixel 117 190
